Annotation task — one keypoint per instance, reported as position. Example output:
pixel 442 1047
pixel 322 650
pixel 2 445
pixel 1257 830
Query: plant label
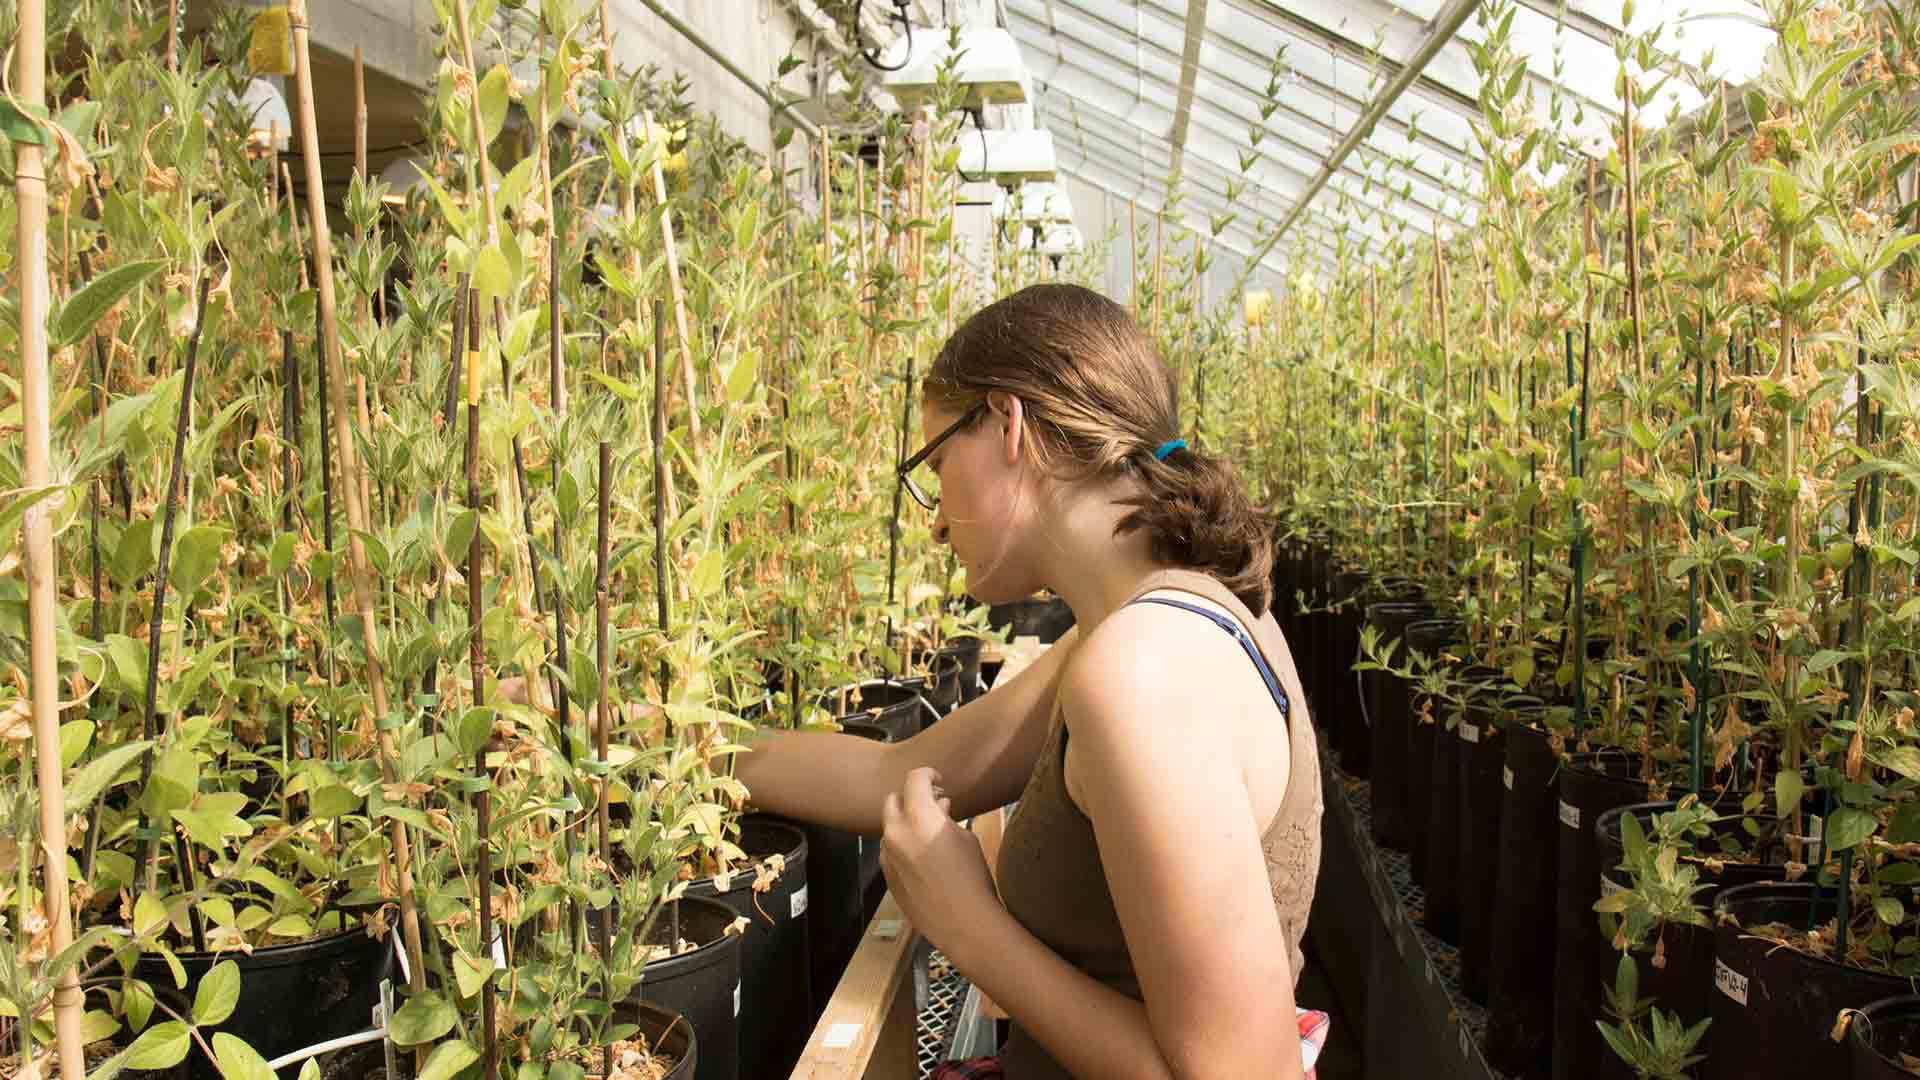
pixel 1608 886
pixel 1506 776
pixel 1731 983
pixel 886 929
pixel 736 999
pixel 499 955
pixel 1470 732
pixel 840 1036
pixel 406 968
pixel 1569 815
pixel 797 903
pixel 1466 1044
pixel 1431 977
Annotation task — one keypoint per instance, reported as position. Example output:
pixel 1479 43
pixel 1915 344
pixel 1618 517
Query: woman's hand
pixel 935 868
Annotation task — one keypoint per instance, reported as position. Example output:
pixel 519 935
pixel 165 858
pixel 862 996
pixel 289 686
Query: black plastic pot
pixel 1047 618
pixel 1775 1009
pixel 1338 700
pixel 1483 760
pixel 1590 785
pixel 840 866
pixel 1386 714
pixel 703 984
pixel 1881 1036
pixel 776 1004
pixel 291 996
pixel 1520 972
pixel 898 707
pixel 1428 637
pixel 967 651
pixel 1684 983
pixel 1442 814
pixel 668 1033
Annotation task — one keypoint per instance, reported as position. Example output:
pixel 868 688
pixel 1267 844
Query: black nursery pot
pixel 668 1033
pixel 1590 785
pixel 896 706
pixel 1443 864
pixel 1682 986
pixel 1483 760
pixel 1429 637
pixel 966 650
pixel 1774 1009
pixel 703 984
pixel 1338 704
pixel 1047 618
pixel 1881 1035
pixel 1520 970
pixel 1386 713
pixel 776 1005
pixel 291 996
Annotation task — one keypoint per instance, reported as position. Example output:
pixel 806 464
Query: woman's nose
pixel 940 529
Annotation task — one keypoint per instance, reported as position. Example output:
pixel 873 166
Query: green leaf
pixel 1908 610
pixel 493 103
pixel 471 974
pixel 447 1060
pixel 460 533
pixel 1904 760
pixel 311 1070
pixel 282 556
pixel 741 379
pixel 1890 909
pixel 332 801
pixel 161 1046
pixel 175 781
pixel 424 1018
pixel 1825 659
pixel 492 275
pixel 237 1060
pixel 219 992
pixel 100 774
pixel 75 737
pixel 19 126
pixel 194 557
pixel 84 309
pixel 209 828
pixel 1788 789
pixel 1849 827
pixel 129 661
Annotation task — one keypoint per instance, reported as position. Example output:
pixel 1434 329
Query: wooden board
pixel 868 1031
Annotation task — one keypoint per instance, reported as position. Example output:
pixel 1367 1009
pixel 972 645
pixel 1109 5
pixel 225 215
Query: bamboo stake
pixel 358 566
pixel 673 282
pixel 476 658
pixel 30 193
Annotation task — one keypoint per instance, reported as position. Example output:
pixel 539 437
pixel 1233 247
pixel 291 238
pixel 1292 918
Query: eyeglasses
pixel 905 471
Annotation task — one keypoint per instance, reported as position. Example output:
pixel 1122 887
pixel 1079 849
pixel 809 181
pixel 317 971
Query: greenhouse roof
pixel 1140 91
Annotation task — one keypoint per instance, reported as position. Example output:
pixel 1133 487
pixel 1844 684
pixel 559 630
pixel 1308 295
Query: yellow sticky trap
pixel 271 52
pixel 473 377
pixel 1257 303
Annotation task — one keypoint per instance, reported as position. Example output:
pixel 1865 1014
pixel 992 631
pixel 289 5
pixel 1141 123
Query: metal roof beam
pixel 1445 24
pixel 1189 67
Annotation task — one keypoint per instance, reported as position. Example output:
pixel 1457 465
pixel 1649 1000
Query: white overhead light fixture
pixel 986 65
pixel 1056 240
pixel 1039 201
pixel 1008 157
pixel 269 121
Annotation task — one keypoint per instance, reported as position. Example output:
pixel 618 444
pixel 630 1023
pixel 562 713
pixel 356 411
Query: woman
pixel 1155 880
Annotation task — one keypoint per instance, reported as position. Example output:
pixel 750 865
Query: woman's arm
pixel 984 751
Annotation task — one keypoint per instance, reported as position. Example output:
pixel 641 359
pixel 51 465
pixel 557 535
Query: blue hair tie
pixel 1169 447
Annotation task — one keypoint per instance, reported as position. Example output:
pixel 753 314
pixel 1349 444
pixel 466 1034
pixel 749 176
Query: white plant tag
pixel 841 1036
pixel 406 968
pixel 1470 732
pixel 1608 887
pixel 1506 777
pixel 797 903
pixel 1731 983
pixel 886 929
pixel 736 999
pixel 1569 815
pixel 1466 1044
pixel 499 955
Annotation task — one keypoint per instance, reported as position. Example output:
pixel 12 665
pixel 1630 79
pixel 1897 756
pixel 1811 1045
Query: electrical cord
pixel 899 16
pixel 985 171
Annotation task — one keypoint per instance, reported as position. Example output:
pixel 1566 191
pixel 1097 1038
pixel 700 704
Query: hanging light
pixel 1058 239
pixel 1255 303
pixel 1040 201
pixel 986 64
pixel 1008 157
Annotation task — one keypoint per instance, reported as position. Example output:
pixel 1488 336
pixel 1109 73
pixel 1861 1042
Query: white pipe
pixel 343 1042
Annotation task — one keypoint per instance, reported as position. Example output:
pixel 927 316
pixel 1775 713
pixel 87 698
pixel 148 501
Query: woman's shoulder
pixel 1147 654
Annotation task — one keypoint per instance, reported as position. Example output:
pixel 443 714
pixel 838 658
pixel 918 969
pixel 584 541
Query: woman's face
pixel 985 501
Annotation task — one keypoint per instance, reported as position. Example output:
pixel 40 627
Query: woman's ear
pixel 1010 414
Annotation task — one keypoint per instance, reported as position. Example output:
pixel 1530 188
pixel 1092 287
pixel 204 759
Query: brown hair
pixel 1100 401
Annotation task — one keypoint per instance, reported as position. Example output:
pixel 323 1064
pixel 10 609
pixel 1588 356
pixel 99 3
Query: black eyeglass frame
pixel 905 471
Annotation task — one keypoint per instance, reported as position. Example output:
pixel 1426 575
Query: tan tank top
pixel 1050 875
